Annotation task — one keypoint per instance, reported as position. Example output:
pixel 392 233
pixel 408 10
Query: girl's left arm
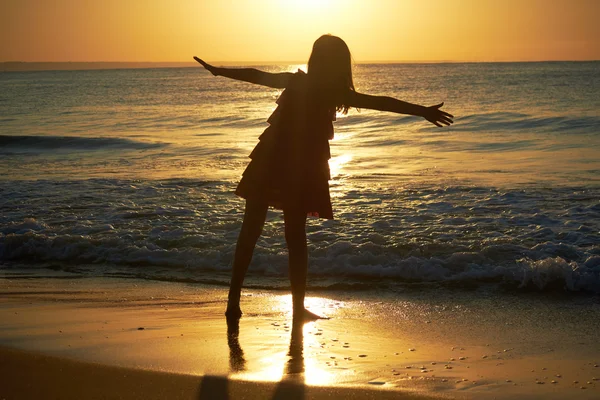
pixel 432 114
pixel 252 75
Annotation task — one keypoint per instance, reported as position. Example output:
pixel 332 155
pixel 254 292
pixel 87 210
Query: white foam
pixel 189 228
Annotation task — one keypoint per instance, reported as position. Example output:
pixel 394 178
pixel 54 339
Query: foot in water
pixel 307 316
pixel 233 307
pixel 235 312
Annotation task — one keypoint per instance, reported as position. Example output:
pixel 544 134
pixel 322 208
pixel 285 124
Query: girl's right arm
pixel 252 75
pixel 432 114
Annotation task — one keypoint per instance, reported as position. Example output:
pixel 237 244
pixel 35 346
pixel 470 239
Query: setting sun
pixel 283 30
pixel 303 5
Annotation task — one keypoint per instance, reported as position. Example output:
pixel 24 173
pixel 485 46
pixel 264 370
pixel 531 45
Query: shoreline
pixel 458 345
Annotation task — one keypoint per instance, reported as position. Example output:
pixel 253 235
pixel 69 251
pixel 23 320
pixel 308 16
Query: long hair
pixel 330 69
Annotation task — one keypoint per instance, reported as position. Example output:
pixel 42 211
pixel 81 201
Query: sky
pixel 284 30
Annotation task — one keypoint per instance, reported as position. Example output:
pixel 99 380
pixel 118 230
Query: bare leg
pixel 295 236
pixel 254 220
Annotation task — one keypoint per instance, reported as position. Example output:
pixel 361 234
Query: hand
pixel 436 116
pixel 210 68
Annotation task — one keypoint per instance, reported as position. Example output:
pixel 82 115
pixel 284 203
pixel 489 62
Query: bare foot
pixel 233 312
pixel 307 316
pixel 233 309
pixel 233 305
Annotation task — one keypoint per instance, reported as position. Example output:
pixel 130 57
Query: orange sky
pixel 283 30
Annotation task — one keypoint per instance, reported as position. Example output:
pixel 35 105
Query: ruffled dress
pixel 289 167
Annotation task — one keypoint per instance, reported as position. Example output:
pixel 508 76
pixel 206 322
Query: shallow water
pixel 131 172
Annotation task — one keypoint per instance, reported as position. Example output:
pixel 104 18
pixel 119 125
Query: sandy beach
pixel 125 338
pixel 31 375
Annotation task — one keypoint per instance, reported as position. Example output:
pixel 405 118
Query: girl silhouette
pixel 289 167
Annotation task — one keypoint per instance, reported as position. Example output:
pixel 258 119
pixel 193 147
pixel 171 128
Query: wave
pixel 518 122
pixel 345 265
pixel 527 238
pixel 41 143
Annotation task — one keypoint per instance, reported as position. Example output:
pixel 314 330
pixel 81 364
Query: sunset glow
pixel 283 30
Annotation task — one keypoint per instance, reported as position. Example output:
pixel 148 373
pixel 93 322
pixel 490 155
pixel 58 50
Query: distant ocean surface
pixel 131 173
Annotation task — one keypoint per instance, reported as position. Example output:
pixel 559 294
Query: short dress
pixel 289 167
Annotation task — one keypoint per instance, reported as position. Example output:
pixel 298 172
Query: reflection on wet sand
pixel 291 386
pixel 295 364
pixel 237 362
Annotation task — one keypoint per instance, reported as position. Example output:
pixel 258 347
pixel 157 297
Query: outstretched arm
pixel 252 75
pixel 432 114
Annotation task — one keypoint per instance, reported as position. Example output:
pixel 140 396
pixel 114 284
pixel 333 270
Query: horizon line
pixel 257 62
pixel 31 66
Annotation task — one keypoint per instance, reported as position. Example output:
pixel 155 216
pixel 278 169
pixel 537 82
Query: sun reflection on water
pixel 295 356
pixel 337 163
pixel 318 305
pixel 296 67
pixel 313 373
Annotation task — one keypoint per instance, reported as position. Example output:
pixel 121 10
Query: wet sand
pixel 116 338
pixel 29 375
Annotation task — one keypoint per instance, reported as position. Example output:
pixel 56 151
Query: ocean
pixel 131 173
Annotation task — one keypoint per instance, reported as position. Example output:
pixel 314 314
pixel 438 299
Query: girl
pixel 289 166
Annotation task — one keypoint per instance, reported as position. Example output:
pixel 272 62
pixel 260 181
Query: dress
pixel 289 167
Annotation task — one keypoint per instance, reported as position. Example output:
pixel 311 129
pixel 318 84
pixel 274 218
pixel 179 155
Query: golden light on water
pixel 313 373
pixel 296 355
pixel 271 368
pixel 318 305
pixel 296 67
pixel 336 164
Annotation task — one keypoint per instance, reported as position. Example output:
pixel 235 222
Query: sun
pixel 305 5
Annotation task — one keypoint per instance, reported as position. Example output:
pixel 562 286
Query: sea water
pixel 131 173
